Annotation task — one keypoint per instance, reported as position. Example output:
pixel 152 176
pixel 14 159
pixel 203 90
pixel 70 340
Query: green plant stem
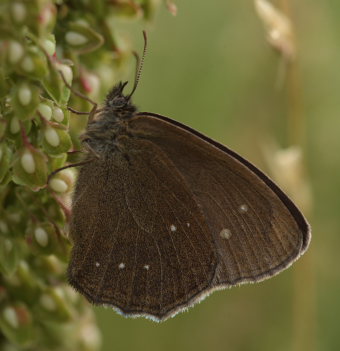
pixel 304 304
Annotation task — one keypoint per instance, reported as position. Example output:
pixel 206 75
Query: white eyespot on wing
pixel 121 265
pixel 146 267
pixel 225 233
pixel 97 264
pixel 243 208
pixel 173 228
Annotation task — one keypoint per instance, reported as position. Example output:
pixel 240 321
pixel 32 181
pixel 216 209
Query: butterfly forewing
pixel 169 215
pixel 257 230
pixel 145 247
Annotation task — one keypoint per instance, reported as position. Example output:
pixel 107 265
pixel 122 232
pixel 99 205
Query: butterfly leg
pixel 68 166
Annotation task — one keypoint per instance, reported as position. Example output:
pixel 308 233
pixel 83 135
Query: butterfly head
pixel 118 103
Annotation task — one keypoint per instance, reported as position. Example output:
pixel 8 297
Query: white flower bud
pixel 15 51
pixel 27 64
pixel 27 162
pixel 18 10
pixel 58 185
pixel 52 137
pixel 10 316
pixel 14 126
pixel 48 303
pixel 76 39
pixel 3 227
pixel 58 114
pixel 45 111
pixel 49 46
pixel 41 236
pixel 67 72
pixel 25 95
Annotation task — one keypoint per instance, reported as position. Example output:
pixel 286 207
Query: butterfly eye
pixel 118 102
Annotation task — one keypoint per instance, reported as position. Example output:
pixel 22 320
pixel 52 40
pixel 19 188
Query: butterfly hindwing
pixel 145 248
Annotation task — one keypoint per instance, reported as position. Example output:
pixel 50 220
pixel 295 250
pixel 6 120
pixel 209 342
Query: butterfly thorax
pixel 112 121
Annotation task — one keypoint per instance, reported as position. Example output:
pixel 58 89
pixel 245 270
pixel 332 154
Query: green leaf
pixel 9 255
pixel 52 82
pixel 5 157
pixel 4 84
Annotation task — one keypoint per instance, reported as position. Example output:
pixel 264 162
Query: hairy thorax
pixel 102 135
pixel 112 122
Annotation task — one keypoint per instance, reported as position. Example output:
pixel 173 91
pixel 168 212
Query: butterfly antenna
pixel 139 65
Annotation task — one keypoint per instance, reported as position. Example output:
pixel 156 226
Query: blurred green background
pixel 210 67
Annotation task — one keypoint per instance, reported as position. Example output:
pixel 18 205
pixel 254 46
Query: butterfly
pixel 162 215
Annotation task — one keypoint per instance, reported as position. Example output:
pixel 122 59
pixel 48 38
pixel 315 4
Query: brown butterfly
pixel 163 215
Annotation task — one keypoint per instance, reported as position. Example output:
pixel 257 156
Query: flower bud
pixel 63 181
pixel 58 114
pixel 18 11
pixel 82 38
pixel 24 95
pixel 49 46
pixel 15 52
pixel 67 72
pixel 27 162
pixel 30 168
pixel 41 236
pixel 16 324
pixel 25 100
pixel 45 110
pixel 75 39
pixel 27 64
pixel 58 185
pixel 52 137
pixel 56 140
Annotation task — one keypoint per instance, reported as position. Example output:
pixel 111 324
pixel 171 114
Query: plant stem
pixel 304 304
